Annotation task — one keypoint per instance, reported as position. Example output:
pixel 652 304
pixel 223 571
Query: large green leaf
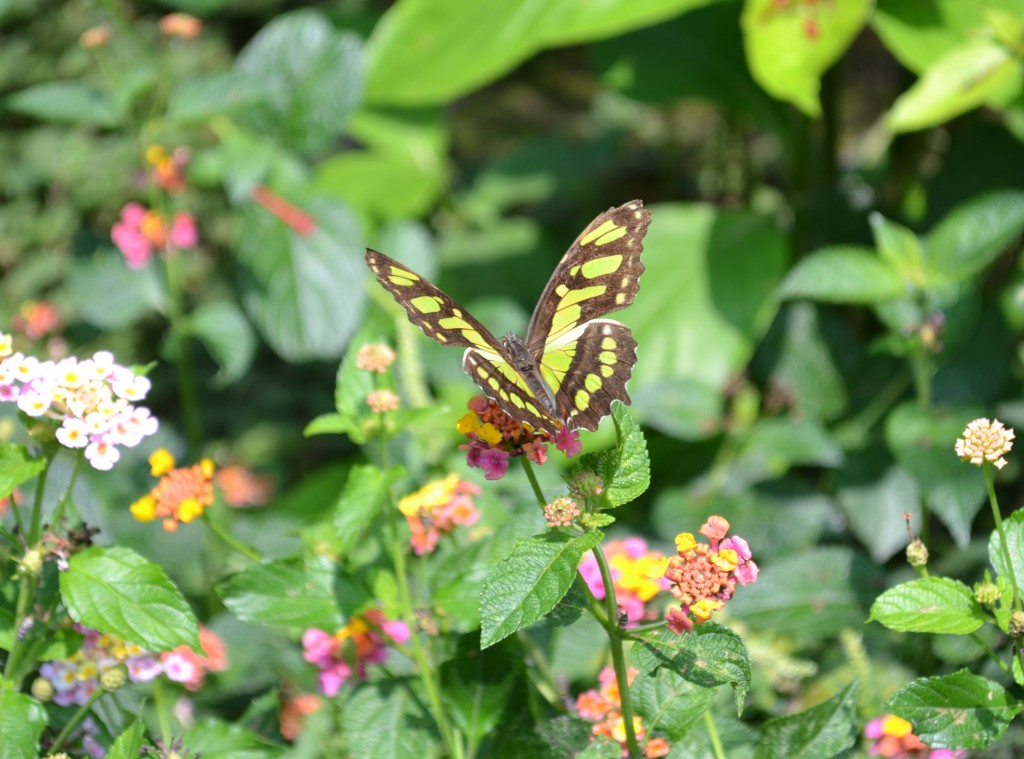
pixel 1013 527
pixel 310 75
pixel 360 502
pixel 16 467
pixel 826 730
pixel 430 51
pixel 284 593
pixel 929 605
pixel 706 297
pixel 213 739
pixel 127 294
pixel 227 335
pixel 843 274
pixel 669 703
pixel 530 582
pixel 790 45
pixel 625 469
pixel 114 590
pixel 22 720
pixel 386 721
pixel 129 743
pixel 874 494
pixel 957 711
pixel 308 295
pixel 973 235
pixel 476 686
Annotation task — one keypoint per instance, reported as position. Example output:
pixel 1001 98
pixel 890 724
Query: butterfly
pixel 572 364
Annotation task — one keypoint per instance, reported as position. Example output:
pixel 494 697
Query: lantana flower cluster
pixel 495 437
pixel 603 707
pixel 438 508
pixel 346 654
pixel 92 400
pixel 985 441
pixel 141 232
pixel 74 680
pixel 638 574
pixel 181 495
pixel 704 575
pixel 893 737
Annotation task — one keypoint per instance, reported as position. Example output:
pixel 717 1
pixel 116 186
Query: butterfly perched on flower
pixel 572 364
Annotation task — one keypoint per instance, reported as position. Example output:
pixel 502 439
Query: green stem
pixel 76 718
pixel 182 356
pixel 615 641
pixel 990 485
pixel 35 531
pixel 546 682
pixel 991 654
pixel 217 529
pixel 162 716
pixel 58 513
pixel 537 492
pixel 26 592
pixel 716 741
pixel 921 367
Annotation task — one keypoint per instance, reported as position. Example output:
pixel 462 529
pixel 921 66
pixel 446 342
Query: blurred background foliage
pixel 473 141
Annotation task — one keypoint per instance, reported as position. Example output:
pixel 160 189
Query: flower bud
pixel 917 553
pixel 1016 628
pixel 987 593
pixel 42 689
pixel 113 678
pixel 31 563
pixel 585 484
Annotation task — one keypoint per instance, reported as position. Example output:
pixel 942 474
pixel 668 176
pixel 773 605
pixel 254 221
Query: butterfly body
pixel 572 364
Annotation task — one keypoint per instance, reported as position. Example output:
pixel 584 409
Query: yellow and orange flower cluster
pixel 603 708
pixel 181 495
pixel 437 508
pixel 893 738
pixel 638 574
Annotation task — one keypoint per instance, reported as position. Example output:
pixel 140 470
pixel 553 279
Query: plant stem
pixel 58 513
pixel 990 485
pixel 182 357
pixel 217 529
pixel 35 530
pixel 615 641
pixel 160 703
pixel 76 718
pixel 537 492
pixel 991 654
pixel 26 592
pixel 716 741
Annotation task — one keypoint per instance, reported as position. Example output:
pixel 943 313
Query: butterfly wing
pixel 440 317
pixel 587 361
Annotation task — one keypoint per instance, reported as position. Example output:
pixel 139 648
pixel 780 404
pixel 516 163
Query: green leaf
pixel 213 739
pixel 308 296
pixel 807 368
pixel 127 294
pixel 973 235
pixel 22 720
pixel 114 590
pixel 311 77
pixel 385 721
pixel 929 605
pixel 843 274
pixel 978 72
pixel 822 731
pixel 709 656
pixel 284 593
pixel 200 98
pixel 873 494
pixel 476 685
pixel 530 582
pixel 669 703
pixel 626 470
pixel 898 246
pixel 128 744
pixel 432 51
pixel 922 442
pixel 17 466
pixel 790 46
pixel 1013 527
pixel 360 501
pixel 808 596
pixel 66 103
pixel 957 711
pixel 227 335
pixel 774 445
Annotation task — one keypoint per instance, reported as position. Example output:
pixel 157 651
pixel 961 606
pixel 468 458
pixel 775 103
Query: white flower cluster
pixel 92 398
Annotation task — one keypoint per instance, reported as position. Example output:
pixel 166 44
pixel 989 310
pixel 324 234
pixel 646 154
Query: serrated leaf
pixel 958 711
pixel 307 295
pixel 476 686
pixel 114 590
pixel 66 103
pixel 1013 527
pixel 530 582
pixel 931 605
pixel 22 720
pixel 669 703
pixel 213 739
pixel 311 76
pixel 843 274
pixel 978 72
pixel 709 656
pixel 225 332
pixel 973 234
pixel 625 470
pixel 360 502
pixel 822 731
pixel 386 721
pixel 285 593
pixel 128 743
pixel 17 466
